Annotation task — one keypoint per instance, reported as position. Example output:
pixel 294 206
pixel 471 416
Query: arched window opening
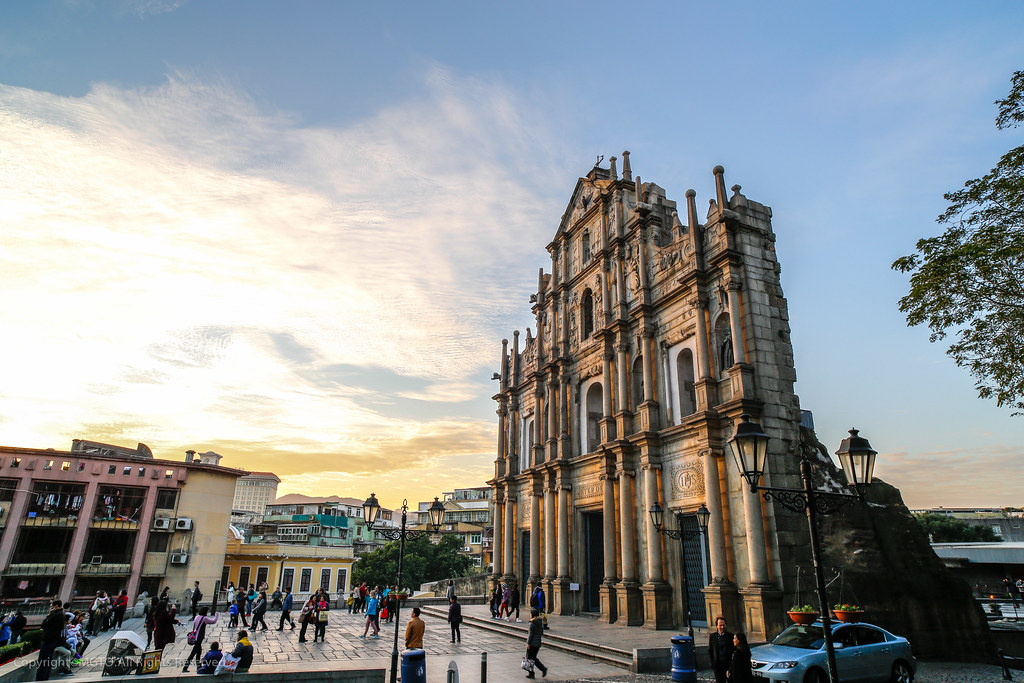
pixel 595 411
pixel 723 340
pixel 587 313
pixel 638 383
pixel 687 388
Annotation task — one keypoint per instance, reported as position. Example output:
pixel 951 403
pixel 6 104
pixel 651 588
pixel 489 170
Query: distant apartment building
pixel 331 521
pixel 106 517
pixel 1005 523
pixel 467 515
pixel 253 493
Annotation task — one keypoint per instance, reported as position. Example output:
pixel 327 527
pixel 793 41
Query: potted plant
pixel 847 613
pixel 805 614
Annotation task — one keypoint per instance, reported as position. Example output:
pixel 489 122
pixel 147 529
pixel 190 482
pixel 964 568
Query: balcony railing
pixel 40 520
pixel 106 568
pixel 36 569
pixel 127 524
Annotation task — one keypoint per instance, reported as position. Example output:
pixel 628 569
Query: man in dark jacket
pixel 243 651
pixel 197 595
pixel 720 647
pixel 53 637
pixel 533 642
pixel 286 609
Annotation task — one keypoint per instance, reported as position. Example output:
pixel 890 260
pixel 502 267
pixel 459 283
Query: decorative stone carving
pixel 687 481
pixel 589 490
pixel 526 509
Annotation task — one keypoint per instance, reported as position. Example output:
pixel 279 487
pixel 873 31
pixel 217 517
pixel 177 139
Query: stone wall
pixel 464 585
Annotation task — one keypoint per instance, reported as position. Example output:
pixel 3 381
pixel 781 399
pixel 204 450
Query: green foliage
pixel 424 561
pixel 968 281
pixel 34 637
pixel 946 529
pixel 9 652
pixel 806 609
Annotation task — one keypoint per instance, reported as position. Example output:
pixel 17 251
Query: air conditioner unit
pixel 162 523
pixel 183 524
pixel 179 558
pixel 466 549
pixel 96 559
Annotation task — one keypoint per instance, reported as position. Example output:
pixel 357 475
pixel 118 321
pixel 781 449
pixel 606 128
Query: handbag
pixel 527 665
pixel 227 664
pixel 192 637
pixel 384 613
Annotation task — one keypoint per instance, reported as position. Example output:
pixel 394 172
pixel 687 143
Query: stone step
pixel 595 651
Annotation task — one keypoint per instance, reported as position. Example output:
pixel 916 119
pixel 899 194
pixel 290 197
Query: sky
pixel 296 233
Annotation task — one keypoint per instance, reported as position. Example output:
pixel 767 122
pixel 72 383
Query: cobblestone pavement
pixel 343 649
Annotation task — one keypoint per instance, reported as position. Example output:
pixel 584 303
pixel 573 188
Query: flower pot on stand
pixel 803 618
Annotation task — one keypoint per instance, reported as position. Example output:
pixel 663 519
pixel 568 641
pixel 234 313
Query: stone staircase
pixel 520 630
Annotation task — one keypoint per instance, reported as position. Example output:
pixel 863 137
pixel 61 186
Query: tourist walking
pixel 241 599
pixel 537 602
pixel 286 609
pixel 307 614
pixel 120 607
pixel 533 643
pixel 163 625
pixel 495 601
pixel 199 629
pixel 275 599
pixel 259 608
pixel 451 590
pixel 53 637
pixel 414 631
pixel 455 618
pixel 505 610
pixel 739 666
pixel 371 616
pixel 720 647
pixel 197 595
pixel 231 593
pixel 18 624
pixel 514 600
pixel 322 615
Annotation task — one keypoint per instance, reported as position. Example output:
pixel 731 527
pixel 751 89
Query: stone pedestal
pixel 657 606
pixel 741 380
pixel 630 602
pixel 646 419
pixel 549 592
pixel 762 612
pixel 723 600
pixel 609 605
pixel 562 599
pixel 607 429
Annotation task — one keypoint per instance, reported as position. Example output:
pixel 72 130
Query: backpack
pixel 197 595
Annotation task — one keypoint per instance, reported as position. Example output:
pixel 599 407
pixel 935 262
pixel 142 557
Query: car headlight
pixel 785 665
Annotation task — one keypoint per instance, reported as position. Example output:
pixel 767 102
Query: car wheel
pixel 901 673
pixel 815 676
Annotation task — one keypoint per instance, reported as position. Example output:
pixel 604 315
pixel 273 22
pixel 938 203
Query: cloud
pixel 958 477
pixel 181 261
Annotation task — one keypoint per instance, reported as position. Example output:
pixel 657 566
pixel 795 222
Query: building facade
pixel 655 333
pixel 302 569
pixel 333 521
pixel 253 493
pixel 467 515
pixel 105 517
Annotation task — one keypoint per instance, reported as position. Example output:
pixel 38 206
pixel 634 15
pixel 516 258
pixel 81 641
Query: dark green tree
pixel 946 529
pixel 968 281
pixel 424 561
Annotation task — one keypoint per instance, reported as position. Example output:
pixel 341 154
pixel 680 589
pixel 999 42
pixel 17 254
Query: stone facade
pixel 654 333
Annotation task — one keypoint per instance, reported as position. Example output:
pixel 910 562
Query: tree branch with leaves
pixel 967 282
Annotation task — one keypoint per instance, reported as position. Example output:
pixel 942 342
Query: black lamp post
pixel 703 516
pixel 750 447
pixel 371 508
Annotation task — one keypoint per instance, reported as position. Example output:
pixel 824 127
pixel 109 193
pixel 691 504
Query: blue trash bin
pixel 414 666
pixel 684 660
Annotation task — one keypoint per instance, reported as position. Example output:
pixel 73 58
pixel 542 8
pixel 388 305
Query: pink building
pixel 104 517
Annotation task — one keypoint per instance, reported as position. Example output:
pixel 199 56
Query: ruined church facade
pixel 654 333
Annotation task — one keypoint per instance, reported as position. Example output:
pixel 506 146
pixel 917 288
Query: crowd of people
pixel 67 633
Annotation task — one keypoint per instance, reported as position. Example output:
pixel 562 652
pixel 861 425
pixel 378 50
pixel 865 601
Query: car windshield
pixel 805 637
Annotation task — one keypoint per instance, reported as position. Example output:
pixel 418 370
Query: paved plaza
pixel 281 651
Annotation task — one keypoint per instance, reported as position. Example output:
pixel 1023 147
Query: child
pixel 321 622
pixel 210 660
pixel 233 611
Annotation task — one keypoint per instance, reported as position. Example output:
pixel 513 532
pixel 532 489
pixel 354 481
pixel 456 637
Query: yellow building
pixel 301 568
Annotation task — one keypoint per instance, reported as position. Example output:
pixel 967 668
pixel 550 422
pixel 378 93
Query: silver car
pixel 863 653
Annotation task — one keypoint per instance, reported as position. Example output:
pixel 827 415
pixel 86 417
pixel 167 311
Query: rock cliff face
pixel 889 568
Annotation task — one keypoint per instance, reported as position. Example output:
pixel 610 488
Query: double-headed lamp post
pixel 750 447
pixel 371 509
pixel 703 516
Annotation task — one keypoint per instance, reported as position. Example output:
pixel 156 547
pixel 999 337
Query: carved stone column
pixel 705 388
pixel 624 418
pixel 648 410
pixel 550 543
pixel 561 597
pixel 564 441
pixel 508 564
pixel 627 592
pixel 609 605
pixel 607 417
pixel 657 594
pixel 498 551
pixel 720 596
pixel 736 322
pixel 535 533
pixel 552 419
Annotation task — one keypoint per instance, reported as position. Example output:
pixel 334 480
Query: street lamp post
pixel 703 515
pixel 371 508
pixel 750 447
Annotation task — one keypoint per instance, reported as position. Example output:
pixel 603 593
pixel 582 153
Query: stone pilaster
pixel 627 592
pixel 609 603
